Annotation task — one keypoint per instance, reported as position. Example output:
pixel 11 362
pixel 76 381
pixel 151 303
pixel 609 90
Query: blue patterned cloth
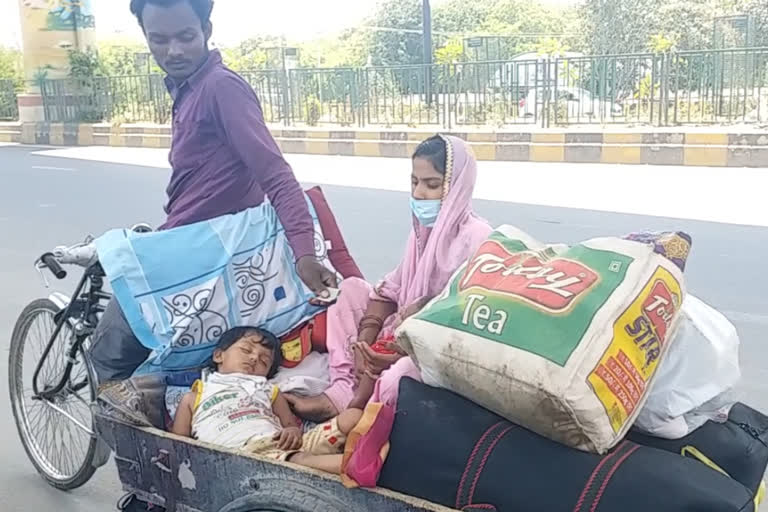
pixel 180 289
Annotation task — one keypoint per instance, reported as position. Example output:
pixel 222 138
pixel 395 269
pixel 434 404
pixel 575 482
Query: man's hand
pixel 289 439
pixel 316 276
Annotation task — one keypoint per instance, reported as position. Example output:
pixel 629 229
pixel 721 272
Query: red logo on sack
pixel 659 308
pixel 552 284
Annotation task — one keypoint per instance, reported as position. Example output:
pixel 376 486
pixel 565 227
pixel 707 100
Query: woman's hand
pixel 376 363
pixel 359 361
pixel 367 337
pixel 289 439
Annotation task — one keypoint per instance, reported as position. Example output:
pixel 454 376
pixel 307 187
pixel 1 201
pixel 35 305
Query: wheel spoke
pixel 37 413
pixel 41 348
pixel 66 455
pixel 59 448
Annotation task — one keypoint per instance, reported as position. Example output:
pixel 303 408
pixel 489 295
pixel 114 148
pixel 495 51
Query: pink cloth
pixel 432 256
pixel 388 386
pixel 365 464
pixel 343 320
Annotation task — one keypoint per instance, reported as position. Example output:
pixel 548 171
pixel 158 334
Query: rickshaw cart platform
pixel 185 475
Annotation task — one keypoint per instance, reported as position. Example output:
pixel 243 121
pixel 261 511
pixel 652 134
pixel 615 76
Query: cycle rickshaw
pixel 53 393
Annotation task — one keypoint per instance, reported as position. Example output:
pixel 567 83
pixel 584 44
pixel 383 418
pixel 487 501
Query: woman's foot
pixel 315 408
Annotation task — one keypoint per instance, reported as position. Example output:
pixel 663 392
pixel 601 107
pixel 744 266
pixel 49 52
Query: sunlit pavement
pixel 50 197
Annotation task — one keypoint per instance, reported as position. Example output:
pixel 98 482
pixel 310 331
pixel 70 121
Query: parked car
pixel 579 104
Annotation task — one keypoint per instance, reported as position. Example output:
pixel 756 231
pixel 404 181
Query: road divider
pixel 731 147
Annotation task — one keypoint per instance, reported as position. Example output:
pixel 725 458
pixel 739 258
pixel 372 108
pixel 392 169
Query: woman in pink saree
pixel 446 232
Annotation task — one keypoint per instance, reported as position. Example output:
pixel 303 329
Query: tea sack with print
pixel 564 341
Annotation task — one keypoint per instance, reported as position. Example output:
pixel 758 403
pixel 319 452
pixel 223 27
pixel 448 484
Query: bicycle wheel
pixel 61 451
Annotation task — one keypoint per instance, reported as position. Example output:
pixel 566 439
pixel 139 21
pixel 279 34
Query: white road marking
pixel 50 168
pixel 727 195
pixel 144 157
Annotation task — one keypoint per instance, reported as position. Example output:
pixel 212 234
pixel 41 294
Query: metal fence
pixel 141 98
pixel 701 87
pixel 9 107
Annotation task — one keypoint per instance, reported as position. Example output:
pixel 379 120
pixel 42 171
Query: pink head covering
pixel 434 254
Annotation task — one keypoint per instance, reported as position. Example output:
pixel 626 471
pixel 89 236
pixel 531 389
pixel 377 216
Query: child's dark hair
pixel 269 340
pixel 202 8
pixel 433 150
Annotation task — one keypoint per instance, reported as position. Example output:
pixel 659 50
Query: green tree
pixel 627 26
pixel 618 26
pixel 660 43
pixel 389 48
pixel 460 18
pixel 346 49
pixel 252 54
pixel 552 47
pixel 84 64
pixel 526 17
pixel 11 65
pixel 759 10
pixel 687 24
pixel 451 52
pixel 121 58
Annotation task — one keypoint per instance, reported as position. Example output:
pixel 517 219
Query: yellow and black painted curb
pixel 714 149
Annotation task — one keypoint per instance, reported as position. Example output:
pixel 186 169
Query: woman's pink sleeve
pixel 389 287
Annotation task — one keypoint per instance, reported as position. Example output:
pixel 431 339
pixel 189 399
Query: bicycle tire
pixel 42 465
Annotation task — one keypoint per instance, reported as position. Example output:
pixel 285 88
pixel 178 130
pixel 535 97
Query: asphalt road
pixel 47 201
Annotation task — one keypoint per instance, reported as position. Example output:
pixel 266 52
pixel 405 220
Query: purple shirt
pixel 224 159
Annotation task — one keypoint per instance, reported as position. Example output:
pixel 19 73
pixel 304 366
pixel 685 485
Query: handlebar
pixel 50 261
pixel 82 255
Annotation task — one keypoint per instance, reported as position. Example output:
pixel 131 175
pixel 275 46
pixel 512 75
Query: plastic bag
pixel 693 381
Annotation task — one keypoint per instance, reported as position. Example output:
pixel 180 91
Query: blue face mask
pixel 426 211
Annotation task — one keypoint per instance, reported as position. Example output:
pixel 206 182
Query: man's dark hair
pixel 202 8
pixel 268 340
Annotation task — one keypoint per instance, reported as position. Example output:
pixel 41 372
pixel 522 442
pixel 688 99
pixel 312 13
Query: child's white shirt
pixel 232 409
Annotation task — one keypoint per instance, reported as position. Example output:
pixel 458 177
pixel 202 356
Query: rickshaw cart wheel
pixel 292 497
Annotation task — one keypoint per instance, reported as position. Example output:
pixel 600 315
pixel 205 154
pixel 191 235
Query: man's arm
pixel 240 121
pixel 182 424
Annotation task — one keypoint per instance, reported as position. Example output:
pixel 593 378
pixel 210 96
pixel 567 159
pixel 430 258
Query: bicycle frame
pixel 82 314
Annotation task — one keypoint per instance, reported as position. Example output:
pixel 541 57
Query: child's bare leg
pixel 364 392
pixel 327 463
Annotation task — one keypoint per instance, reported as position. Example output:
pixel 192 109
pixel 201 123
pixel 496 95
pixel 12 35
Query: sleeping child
pixel 236 407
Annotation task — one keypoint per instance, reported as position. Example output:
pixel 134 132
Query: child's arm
pixel 290 437
pixel 282 410
pixel 182 424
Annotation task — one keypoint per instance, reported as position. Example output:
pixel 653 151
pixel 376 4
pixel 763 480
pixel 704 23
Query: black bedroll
pixel 738 447
pixel 453 452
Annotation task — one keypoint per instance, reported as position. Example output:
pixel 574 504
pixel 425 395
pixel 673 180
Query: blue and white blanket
pixel 181 289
